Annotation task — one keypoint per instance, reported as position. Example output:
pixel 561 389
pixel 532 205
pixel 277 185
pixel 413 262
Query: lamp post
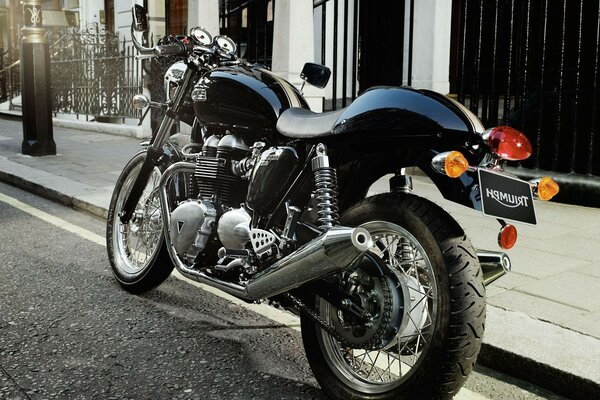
pixel 38 135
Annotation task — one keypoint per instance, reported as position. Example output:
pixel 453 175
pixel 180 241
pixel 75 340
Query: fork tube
pixel 172 112
pixel 154 152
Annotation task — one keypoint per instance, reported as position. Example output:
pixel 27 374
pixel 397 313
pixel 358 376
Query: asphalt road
pixel 67 330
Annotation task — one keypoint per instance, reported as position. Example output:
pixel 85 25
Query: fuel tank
pixel 244 98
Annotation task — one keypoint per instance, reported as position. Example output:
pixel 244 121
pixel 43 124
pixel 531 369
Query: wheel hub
pixel 381 298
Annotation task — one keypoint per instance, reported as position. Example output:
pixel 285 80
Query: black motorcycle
pixel 269 202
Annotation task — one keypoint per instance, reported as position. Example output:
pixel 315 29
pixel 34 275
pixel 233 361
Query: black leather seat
pixel 301 123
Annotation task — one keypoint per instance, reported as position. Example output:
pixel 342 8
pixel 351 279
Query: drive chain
pixel 330 329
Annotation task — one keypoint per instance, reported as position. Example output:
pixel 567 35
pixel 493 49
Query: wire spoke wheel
pixel 433 286
pixel 136 250
pixel 375 371
pixel 138 241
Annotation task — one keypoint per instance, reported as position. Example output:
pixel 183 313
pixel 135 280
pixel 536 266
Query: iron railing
pixel 534 64
pixel 352 40
pixel 10 76
pixel 344 66
pixel 250 24
pixel 93 75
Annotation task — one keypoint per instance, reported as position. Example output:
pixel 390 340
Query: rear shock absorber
pixel 326 192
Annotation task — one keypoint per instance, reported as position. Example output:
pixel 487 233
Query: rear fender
pixel 357 176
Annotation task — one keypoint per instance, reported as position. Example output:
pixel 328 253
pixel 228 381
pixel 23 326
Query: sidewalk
pixel 543 322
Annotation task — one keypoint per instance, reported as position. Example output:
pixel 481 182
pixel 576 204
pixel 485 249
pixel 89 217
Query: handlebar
pixel 173 49
pixel 178 48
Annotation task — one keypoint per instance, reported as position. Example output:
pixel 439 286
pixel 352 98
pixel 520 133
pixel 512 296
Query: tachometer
pixel 201 36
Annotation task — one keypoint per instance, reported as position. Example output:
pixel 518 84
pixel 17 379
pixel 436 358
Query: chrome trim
pixel 140 101
pixel 333 251
pixel 494 264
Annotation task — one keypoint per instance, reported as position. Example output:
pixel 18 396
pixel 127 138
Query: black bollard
pixel 38 137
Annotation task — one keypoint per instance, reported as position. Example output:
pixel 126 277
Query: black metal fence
pixel 10 75
pixel 335 20
pixel 250 24
pixel 533 64
pixel 92 74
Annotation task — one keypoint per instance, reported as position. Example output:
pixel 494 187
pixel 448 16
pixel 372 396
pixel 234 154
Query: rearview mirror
pixel 140 20
pixel 315 74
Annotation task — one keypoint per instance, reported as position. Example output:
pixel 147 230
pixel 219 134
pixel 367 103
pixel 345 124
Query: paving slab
pixel 537 307
pixel 514 279
pixel 588 324
pixel 568 288
pixel 545 264
pixel 592 269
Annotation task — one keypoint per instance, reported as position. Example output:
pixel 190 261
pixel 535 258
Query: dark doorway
pixel 381 43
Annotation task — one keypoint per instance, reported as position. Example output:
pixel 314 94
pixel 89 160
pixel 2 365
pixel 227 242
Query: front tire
pixel 136 250
pixel 441 340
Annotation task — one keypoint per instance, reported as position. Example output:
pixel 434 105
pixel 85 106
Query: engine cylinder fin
pixel 214 178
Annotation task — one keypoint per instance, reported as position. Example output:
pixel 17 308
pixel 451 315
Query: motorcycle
pixel 268 202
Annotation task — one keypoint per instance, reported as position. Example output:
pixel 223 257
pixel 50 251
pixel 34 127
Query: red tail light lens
pixel 508 143
pixel 507 236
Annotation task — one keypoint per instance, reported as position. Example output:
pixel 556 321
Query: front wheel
pixel 136 250
pixel 440 335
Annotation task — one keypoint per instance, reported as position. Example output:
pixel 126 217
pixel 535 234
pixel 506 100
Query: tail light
pixel 508 143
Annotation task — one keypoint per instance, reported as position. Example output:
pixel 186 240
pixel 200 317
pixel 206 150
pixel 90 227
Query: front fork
pixel 154 153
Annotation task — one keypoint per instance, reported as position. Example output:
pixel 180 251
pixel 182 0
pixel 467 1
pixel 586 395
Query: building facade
pixel 532 64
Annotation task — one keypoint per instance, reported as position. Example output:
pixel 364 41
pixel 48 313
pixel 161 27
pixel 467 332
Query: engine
pixel 217 187
pixel 220 186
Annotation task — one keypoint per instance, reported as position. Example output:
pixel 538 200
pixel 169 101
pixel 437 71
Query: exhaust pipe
pixel 333 251
pixel 494 265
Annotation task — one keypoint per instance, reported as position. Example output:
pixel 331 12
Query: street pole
pixel 38 138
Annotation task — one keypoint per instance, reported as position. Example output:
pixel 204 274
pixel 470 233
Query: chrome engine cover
pixel 234 229
pixel 191 227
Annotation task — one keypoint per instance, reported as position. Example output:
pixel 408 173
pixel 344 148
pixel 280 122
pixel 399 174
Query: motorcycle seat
pixel 302 123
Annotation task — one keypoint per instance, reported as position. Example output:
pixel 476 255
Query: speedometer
pixel 201 36
pixel 226 44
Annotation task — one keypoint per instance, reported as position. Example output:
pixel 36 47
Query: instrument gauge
pixel 201 36
pixel 226 44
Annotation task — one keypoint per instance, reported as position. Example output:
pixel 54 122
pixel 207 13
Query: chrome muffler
pixel 333 251
pixel 494 265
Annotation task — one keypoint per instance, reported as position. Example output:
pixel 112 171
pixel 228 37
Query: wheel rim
pixel 385 369
pixel 136 243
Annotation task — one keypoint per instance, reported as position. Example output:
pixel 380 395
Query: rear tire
pixel 454 333
pixel 136 251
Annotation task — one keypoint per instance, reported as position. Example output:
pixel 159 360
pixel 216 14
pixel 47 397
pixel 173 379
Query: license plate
pixel 506 197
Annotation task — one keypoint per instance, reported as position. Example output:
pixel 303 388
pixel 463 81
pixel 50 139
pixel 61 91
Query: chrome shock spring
pixel 326 189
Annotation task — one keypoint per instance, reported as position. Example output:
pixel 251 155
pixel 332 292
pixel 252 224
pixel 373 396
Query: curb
pixel 137 132
pixel 494 352
pixel 53 195
pixel 543 375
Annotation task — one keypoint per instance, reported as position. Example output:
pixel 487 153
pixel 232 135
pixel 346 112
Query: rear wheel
pixel 136 250
pixel 440 280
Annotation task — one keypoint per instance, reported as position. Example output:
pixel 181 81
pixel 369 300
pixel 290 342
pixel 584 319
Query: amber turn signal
pixel 455 164
pixel 547 188
pixel 507 236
